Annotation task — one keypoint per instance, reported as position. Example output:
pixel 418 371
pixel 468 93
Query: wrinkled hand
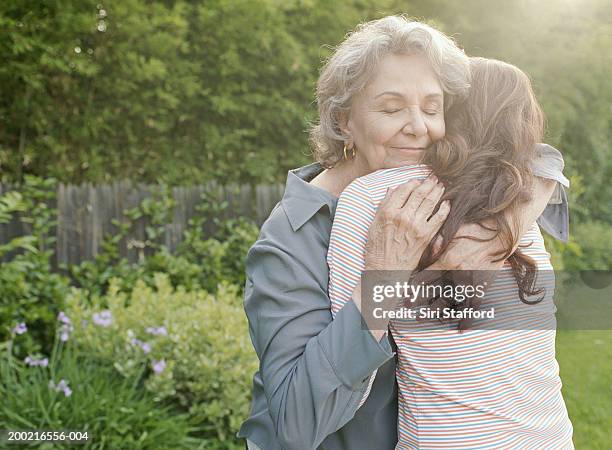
pixel 469 254
pixel 404 225
pixel 467 262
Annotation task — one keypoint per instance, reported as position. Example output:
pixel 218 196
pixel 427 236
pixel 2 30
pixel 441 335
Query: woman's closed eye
pixel 431 108
pixel 391 110
pixel 429 112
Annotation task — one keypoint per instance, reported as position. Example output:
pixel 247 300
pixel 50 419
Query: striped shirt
pixel 493 388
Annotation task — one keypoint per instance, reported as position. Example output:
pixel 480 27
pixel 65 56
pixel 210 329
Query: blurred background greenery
pixel 186 92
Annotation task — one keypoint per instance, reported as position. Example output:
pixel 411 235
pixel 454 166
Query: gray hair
pixel 350 67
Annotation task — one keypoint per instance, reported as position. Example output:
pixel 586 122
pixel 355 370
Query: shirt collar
pixel 301 199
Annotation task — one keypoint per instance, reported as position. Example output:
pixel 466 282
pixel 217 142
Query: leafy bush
pixel 77 392
pixel 94 275
pixel 29 290
pixel 223 256
pixel 592 251
pixel 196 341
pixel 200 261
pixel 200 364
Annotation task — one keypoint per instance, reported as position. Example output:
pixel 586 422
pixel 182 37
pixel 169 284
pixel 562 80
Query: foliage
pixel 593 249
pixel 156 211
pixel 113 409
pixel 200 262
pixel 204 344
pixel 223 256
pixel 29 288
pixel 129 83
pixel 167 91
pixel 197 357
pixel 32 291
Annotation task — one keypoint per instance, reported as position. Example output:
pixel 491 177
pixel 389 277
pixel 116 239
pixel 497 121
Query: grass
pixel 115 411
pixel 585 361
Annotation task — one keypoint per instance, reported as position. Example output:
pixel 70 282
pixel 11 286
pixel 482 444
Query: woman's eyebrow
pixel 393 93
pixel 435 96
pixel 432 96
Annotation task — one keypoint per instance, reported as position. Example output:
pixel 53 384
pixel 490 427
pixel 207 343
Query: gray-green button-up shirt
pixel 313 371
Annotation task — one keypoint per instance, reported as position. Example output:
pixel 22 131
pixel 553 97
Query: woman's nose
pixel 415 124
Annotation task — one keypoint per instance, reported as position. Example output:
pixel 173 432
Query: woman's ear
pixel 343 125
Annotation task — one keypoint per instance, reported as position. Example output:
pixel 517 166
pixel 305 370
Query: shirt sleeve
pixel 314 370
pixel 549 164
pixel 346 255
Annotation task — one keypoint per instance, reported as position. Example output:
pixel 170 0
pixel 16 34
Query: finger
pixel 429 203
pixel 416 197
pixel 439 217
pixel 398 196
pixel 383 208
pixel 436 245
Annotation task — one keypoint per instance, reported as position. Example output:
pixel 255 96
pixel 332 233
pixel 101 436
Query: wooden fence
pixel 85 214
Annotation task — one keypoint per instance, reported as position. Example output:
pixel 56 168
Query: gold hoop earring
pixel 346 155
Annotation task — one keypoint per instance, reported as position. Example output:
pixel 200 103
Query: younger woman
pixel 479 388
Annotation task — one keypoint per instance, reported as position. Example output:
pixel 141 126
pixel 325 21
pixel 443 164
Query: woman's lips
pixel 409 148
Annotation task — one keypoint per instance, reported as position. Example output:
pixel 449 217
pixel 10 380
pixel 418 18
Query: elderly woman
pixel 312 389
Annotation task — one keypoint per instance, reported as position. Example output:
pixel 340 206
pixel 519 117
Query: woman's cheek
pixel 437 129
pixel 378 133
pixel 390 128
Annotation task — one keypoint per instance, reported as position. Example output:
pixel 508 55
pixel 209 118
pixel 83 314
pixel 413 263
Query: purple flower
pixel 104 318
pixel 61 386
pixel 44 362
pixel 65 331
pixel 145 346
pixel 157 331
pixel 159 366
pixel 20 328
pixel 84 323
pixel 63 318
